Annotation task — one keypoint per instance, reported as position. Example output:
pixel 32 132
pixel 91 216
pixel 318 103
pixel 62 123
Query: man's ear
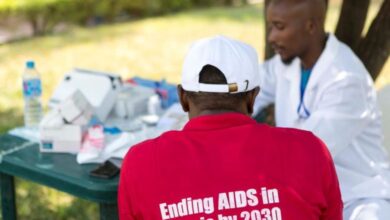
pixel 251 99
pixel 183 98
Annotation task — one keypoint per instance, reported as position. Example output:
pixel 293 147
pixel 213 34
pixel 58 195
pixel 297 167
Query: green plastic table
pixel 59 171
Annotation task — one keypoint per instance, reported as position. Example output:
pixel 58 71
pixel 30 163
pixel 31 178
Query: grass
pixel 152 48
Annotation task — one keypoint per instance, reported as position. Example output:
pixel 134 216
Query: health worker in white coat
pixel 318 84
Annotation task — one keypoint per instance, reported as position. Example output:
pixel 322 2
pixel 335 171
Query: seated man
pixel 318 84
pixel 216 167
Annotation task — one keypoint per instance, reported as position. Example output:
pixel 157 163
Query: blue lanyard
pixel 302 111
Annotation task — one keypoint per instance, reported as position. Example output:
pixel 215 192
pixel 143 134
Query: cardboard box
pixel 76 109
pixel 64 139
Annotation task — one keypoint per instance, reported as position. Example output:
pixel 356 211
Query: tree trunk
pixel 268 114
pixel 374 49
pixel 269 52
pixel 34 23
pixel 114 11
pixel 351 22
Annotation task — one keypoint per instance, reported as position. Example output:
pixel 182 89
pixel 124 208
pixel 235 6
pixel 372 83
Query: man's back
pixel 228 165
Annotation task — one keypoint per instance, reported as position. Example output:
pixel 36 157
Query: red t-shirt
pixel 228 166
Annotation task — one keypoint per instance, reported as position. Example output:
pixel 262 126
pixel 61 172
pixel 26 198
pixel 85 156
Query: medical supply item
pixel 93 144
pixel 62 128
pixel 66 138
pixel 76 109
pixel 133 101
pixel 166 91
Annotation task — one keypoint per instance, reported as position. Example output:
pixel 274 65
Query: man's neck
pixel 313 54
pixel 212 112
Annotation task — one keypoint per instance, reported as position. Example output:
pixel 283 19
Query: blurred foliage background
pixel 44 15
pixel 147 38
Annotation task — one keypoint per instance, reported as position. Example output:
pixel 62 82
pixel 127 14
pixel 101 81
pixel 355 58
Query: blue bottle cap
pixel 30 64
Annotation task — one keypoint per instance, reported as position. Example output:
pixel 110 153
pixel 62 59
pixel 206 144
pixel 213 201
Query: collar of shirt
pixel 218 121
pixel 305 75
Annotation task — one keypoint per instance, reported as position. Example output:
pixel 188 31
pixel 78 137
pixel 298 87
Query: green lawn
pixel 152 48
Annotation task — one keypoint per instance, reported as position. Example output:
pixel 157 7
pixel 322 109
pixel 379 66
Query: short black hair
pixel 211 100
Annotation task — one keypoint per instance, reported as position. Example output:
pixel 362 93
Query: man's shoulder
pixel 338 67
pixel 300 141
pixel 346 60
pixel 289 132
pixel 284 134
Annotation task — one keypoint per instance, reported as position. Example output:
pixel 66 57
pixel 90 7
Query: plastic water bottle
pixel 32 92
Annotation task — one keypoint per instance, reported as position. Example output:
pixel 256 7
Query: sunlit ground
pixel 152 48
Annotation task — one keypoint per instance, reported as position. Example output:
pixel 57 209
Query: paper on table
pixel 26 133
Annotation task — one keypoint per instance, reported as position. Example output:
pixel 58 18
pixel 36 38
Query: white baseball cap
pixel 236 60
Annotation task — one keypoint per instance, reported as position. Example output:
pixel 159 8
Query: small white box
pixel 76 109
pixel 100 89
pixel 64 139
pixel 52 119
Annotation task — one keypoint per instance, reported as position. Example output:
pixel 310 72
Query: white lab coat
pixel 341 101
